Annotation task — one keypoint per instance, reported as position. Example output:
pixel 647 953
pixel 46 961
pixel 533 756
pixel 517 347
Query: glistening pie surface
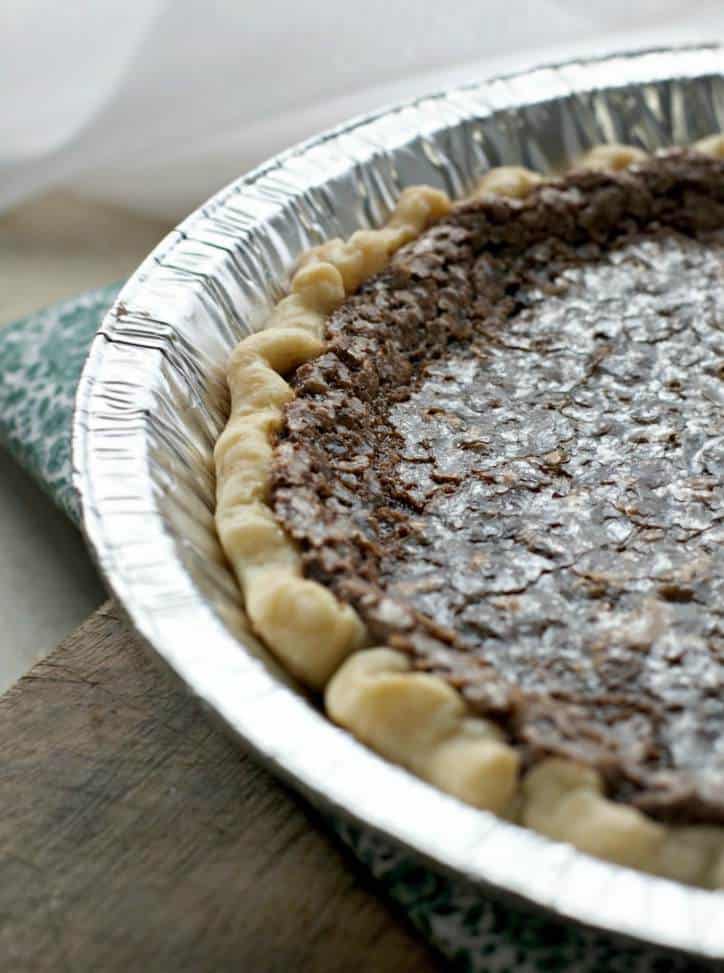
pixel 509 462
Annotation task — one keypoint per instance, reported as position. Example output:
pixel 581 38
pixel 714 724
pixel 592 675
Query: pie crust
pixel 412 718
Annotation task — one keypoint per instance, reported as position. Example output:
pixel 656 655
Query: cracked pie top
pixel 484 507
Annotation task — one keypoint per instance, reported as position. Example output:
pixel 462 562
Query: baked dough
pixel 299 620
pixel 419 721
pixel 414 719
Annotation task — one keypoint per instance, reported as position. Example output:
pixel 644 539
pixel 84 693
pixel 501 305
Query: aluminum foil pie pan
pixel 152 401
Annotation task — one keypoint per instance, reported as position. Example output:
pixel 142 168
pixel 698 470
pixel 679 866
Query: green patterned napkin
pixel 41 359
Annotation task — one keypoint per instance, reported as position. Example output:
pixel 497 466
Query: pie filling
pixel 509 461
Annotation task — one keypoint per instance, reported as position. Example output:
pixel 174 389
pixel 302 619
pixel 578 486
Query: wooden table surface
pixel 134 835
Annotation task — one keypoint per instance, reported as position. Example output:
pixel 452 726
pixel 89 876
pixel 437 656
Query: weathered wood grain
pixel 134 835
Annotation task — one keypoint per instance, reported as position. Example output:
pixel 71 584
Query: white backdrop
pixel 157 103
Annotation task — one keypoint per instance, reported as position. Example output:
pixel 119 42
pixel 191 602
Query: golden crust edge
pixel 302 623
pixel 414 719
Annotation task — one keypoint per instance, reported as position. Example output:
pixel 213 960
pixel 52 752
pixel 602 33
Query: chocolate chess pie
pixel 472 486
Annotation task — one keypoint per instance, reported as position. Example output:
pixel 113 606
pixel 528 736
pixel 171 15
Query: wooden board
pixel 134 835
